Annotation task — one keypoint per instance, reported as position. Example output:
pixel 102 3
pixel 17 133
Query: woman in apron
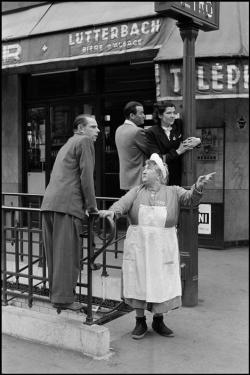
pixel 151 265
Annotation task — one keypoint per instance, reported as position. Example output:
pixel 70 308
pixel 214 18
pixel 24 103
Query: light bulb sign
pixel 205 14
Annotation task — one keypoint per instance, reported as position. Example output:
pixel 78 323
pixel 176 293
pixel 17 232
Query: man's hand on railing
pixel 91 211
pixel 106 213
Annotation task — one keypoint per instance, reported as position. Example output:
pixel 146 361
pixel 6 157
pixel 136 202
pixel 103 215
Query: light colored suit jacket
pixel 132 150
pixel 71 187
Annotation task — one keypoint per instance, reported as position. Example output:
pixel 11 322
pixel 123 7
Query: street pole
pixel 189 218
pixel 189 33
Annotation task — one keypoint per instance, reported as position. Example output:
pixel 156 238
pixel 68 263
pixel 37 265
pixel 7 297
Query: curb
pixel 59 331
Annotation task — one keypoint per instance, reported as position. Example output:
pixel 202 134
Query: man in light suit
pixel 68 196
pixel 131 145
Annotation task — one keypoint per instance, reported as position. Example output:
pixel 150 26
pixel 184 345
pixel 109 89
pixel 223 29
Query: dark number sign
pixel 204 13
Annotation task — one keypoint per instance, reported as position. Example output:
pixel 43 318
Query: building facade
pixel 65 58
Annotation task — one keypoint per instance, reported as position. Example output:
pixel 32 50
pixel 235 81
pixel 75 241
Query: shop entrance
pixel 53 101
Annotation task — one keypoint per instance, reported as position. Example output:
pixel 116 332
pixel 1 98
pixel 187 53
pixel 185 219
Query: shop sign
pixel 214 78
pixel 95 41
pixel 204 13
pixel 204 219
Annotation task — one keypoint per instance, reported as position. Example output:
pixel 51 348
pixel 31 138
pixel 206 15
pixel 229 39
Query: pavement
pixel 210 338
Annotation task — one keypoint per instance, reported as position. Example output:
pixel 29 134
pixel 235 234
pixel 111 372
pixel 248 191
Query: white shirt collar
pixel 128 122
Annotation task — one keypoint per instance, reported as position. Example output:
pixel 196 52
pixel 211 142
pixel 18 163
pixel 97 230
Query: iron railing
pixel 22 239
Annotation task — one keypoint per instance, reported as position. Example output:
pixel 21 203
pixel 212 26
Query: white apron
pixel 150 267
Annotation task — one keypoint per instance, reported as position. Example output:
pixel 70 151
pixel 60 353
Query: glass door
pixel 36 150
pixel 60 130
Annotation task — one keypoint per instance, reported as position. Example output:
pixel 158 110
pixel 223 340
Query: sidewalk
pixel 209 338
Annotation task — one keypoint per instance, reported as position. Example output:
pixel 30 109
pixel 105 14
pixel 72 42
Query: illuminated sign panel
pixel 204 13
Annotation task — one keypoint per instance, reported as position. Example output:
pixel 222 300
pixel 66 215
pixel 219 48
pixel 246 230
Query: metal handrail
pixel 91 257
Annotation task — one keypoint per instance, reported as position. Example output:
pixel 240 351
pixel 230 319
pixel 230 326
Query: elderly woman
pixel 151 268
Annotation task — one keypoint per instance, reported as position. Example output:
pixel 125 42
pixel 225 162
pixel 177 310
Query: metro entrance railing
pixel 22 244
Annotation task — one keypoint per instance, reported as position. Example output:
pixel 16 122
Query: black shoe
pixel 140 329
pixel 159 326
pixel 68 306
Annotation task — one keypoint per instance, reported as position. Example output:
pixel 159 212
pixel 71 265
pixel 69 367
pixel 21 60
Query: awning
pixel 68 32
pixel 61 16
pixel 232 38
pixel 100 29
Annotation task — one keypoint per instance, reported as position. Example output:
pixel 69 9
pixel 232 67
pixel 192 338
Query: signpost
pixel 204 13
pixel 192 16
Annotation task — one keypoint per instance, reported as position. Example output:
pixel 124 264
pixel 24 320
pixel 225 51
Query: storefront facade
pixel 51 75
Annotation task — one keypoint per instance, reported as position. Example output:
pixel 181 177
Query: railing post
pixel 16 252
pixel 4 258
pixel 30 268
pixel 89 318
pixel 104 260
pixel 40 241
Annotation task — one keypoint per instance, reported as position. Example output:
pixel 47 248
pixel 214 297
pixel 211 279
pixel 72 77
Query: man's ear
pixel 80 128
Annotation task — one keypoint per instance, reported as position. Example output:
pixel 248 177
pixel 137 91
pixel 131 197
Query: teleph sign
pixel 203 13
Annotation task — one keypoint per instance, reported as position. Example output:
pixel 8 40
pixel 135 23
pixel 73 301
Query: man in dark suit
pixel 131 145
pixel 69 195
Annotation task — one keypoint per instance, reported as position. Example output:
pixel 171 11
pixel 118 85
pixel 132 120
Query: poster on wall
pixel 204 219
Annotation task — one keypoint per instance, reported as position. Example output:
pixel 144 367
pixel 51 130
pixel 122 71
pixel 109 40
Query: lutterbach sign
pixel 205 14
pixel 94 41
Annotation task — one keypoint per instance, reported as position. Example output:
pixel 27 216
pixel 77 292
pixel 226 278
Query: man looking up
pixel 69 195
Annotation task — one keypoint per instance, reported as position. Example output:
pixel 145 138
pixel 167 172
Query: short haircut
pixel 80 120
pixel 130 107
pixel 159 109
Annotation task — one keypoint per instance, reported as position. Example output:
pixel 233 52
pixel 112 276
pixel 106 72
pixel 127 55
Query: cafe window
pixel 36 149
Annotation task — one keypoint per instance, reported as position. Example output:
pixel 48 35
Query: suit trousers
pixel 62 243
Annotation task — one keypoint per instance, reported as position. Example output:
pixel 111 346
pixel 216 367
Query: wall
pixel 11 134
pixel 224 113
pixel 236 213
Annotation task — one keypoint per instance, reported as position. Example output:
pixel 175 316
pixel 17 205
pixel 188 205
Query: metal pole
pixel 89 318
pixel 189 34
pixel 189 219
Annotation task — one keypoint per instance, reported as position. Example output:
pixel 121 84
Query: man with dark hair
pixel 131 145
pixel 69 195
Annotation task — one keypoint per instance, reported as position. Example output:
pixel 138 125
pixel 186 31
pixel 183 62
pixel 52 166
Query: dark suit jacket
pixel 71 187
pixel 159 143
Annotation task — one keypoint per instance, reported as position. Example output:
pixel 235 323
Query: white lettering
pixel 209 9
pixel 144 26
pixel 246 77
pixel 88 34
pixel 216 76
pixel 201 84
pixel 105 32
pixel 114 32
pixel 97 32
pixel 232 70
pixel 79 38
pixel 71 42
pixel 155 25
pixel 134 30
pixel 124 31
pixel 175 72
pixel 12 51
pixel 201 6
